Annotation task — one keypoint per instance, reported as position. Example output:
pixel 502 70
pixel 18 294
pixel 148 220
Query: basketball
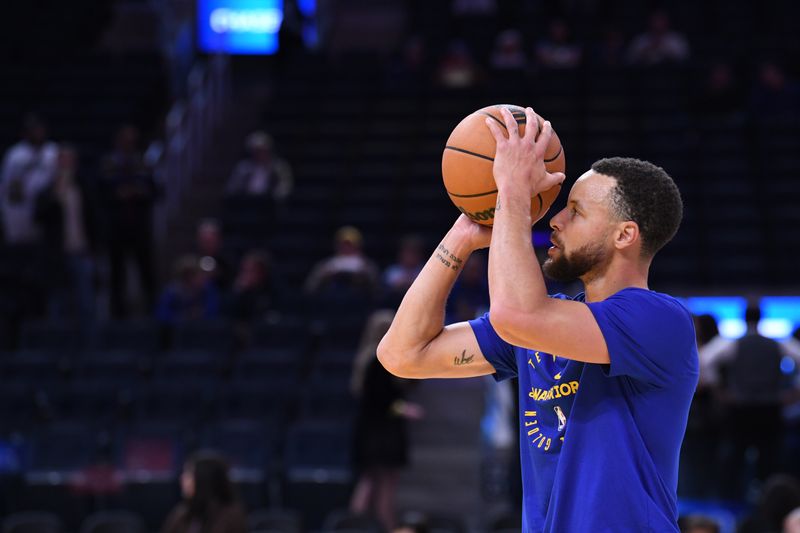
pixel 468 158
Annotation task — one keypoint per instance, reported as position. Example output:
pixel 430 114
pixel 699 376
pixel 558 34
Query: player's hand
pixel 519 160
pixel 476 236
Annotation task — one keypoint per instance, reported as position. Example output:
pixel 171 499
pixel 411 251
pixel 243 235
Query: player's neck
pixel 619 274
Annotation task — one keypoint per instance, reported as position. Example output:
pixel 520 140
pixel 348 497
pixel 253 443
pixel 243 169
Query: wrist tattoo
pixel 464 359
pixel 447 258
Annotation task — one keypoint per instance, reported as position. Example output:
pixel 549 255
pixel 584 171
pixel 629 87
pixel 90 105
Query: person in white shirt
pixel 28 168
pixel 262 173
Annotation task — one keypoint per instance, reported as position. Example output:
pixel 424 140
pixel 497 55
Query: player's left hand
pixel 519 160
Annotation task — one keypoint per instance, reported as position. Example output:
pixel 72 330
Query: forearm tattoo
pixel 447 258
pixel 464 359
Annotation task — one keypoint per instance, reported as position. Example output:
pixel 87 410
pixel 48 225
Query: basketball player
pixel 605 378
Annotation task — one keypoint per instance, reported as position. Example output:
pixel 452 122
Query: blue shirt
pixel 599 444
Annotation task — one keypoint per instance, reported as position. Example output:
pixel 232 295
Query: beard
pixel 587 258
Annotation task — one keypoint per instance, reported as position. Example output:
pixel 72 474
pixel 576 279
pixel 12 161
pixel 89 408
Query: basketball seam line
pixel 469 153
pixel 472 195
pixel 555 156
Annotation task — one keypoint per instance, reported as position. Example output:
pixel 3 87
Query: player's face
pixel 581 235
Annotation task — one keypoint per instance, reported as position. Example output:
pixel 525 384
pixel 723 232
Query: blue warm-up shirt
pixel 600 443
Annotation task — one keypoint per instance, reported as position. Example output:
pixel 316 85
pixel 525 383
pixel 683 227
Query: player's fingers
pixel 530 121
pixel 495 129
pixel 510 121
pixel 544 140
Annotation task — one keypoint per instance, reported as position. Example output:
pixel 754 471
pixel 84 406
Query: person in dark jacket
pixel 210 502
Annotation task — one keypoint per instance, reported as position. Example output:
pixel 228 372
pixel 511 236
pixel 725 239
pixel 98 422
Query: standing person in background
pixel 752 388
pixel 129 194
pixel 210 502
pixel 28 168
pixel 262 173
pixel 381 434
pixel 66 212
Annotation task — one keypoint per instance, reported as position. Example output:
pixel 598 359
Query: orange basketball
pixel 468 158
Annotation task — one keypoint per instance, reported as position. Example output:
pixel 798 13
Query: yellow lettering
pixel 564 389
pixel 530 362
pixel 557 376
pixel 534 430
pixel 574 385
pixel 530 413
pixel 555 391
pixel 527 424
pixel 547 446
pixel 538 359
pixel 540 443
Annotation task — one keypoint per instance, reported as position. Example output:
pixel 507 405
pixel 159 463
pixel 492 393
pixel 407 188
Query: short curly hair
pixel 645 194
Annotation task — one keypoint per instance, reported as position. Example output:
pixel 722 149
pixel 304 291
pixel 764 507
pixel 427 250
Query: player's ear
pixel 626 234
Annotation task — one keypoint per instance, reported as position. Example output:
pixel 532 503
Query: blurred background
pixel 209 209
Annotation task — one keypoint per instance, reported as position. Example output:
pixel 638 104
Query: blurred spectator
pixel 774 94
pixel 129 195
pixel 470 295
pixel 347 269
pixel 190 296
pixel 398 277
pixel 610 50
pixel 213 262
pixel 28 168
pixel 262 173
pixel 558 50
pixel 65 212
pixel 475 21
pixel 509 51
pixel 412 63
pixel 792 522
pixel 381 435
pixel 779 497
pixel 255 291
pixel 210 503
pixel 699 450
pixel 752 389
pixel 698 524
pixel 659 44
pixel 412 527
pixel 458 70
pixel 720 94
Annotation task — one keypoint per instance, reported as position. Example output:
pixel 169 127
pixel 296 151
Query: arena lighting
pixel 239 26
pixel 780 314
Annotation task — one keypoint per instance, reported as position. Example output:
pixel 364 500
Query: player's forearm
pixel 420 317
pixel 516 283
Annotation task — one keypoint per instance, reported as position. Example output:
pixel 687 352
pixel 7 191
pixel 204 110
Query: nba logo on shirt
pixel 562 420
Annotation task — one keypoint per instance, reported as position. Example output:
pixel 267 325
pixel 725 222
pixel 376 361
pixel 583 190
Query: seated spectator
pixel 774 93
pixel 509 51
pixel 458 70
pixel 65 212
pixel 213 262
pixel 255 291
pixel 558 50
pixel 348 269
pixel 792 522
pixel 470 295
pixel 190 296
pixel 262 173
pixel 779 497
pixel 698 524
pixel 28 168
pixel 659 44
pixel 720 95
pixel 398 277
pixel 210 503
pixel 129 193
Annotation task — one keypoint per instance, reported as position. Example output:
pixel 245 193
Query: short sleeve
pixel 498 352
pixel 650 336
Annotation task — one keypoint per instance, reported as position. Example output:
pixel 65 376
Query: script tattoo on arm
pixel 464 359
pixel 447 258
